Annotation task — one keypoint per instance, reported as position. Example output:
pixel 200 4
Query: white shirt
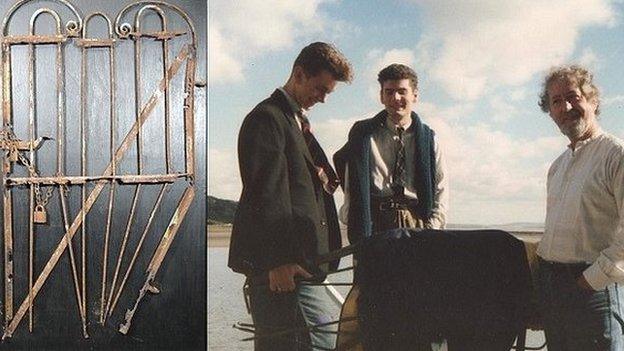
pixel 585 209
pixel 382 159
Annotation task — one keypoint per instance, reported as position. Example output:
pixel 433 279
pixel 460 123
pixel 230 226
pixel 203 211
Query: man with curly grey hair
pixel 582 250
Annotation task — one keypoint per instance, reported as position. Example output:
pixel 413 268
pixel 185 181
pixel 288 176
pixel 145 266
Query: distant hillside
pixel 513 227
pixel 221 211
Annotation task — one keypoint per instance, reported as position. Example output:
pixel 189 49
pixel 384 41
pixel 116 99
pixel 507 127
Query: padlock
pixel 40 215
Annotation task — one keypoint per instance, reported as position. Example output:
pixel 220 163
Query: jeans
pixel 576 319
pixel 307 305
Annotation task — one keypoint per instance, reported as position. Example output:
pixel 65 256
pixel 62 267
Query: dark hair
pixel 398 71
pixel 320 56
pixel 573 74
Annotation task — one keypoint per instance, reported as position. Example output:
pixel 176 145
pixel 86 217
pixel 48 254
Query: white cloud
pixel 502 110
pixel 479 45
pixel 221 61
pixel 332 134
pixel 613 100
pixel 455 112
pixel 518 94
pixel 489 170
pixel 589 59
pixel 241 30
pixel 224 177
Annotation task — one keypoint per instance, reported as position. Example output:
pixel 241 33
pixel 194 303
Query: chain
pixel 9 137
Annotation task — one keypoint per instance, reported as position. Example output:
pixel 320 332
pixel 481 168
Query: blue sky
pixel 480 66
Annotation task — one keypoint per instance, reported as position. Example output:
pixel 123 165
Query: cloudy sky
pixel 480 66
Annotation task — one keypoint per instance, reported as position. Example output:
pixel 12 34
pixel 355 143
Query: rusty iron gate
pixel 131 153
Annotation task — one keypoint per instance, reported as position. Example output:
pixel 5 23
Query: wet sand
pixel 218 239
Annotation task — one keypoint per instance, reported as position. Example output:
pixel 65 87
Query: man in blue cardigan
pixel 391 166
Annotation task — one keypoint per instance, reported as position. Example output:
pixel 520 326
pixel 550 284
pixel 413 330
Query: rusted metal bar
pixel 31 239
pixel 189 113
pixel 8 257
pixel 34 39
pixel 165 49
pixel 94 43
pixel 138 248
pixel 22 145
pixel 109 217
pixel 32 135
pixel 93 196
pixel 83 162
pixel 137 97
pixel 67 180
pixel 122 249
pixel 161 35
pixel 7 195
pixel 68 241
pixel 159 255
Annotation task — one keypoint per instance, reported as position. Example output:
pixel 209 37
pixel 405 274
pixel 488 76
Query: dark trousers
pixel 576 319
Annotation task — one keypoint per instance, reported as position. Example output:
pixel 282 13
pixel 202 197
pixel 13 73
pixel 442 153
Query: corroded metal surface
pixel 7 120
pixel 24 151
pixel 67 180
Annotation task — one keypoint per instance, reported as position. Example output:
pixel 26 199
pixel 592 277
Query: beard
pixel 576 128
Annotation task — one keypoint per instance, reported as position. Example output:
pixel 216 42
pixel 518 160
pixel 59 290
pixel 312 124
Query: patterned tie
pixel 324 170
pixel 398 179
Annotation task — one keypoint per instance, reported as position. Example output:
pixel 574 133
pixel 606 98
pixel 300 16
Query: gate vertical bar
pixel 83 164
pixel 189 113
pixel 33 162
pixel 165 49
pixel 7 121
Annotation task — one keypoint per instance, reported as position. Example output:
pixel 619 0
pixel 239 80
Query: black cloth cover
pixel 469 287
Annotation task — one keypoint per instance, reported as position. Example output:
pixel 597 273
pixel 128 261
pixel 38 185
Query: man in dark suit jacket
pixel 286 215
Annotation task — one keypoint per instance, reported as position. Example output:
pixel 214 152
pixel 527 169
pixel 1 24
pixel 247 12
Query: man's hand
pixel 583 284
pixel 282 278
